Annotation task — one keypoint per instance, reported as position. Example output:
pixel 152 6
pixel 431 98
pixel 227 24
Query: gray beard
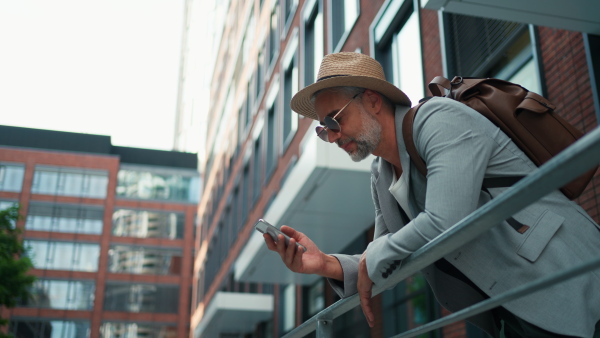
pixel 369 140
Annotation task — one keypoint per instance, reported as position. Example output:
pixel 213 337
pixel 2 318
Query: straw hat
pixel 347 70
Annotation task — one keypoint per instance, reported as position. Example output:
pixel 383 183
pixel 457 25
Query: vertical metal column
pixel 324 328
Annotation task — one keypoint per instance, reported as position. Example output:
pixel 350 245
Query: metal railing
pixel 569 164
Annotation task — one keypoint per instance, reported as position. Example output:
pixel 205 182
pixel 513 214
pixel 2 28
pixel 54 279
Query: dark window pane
pixel 152 298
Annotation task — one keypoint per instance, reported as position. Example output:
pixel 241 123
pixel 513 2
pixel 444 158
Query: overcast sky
pixel 107 67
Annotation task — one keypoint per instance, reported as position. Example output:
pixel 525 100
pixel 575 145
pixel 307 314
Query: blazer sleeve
pixel 349 263
pixel 456 143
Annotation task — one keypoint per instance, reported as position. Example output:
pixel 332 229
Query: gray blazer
pixel 461 147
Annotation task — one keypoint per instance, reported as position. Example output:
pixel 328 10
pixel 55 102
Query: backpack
pixel 526 117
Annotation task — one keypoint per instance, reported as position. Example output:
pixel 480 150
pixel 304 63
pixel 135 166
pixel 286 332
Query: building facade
pixel 110 232
pixel 264 161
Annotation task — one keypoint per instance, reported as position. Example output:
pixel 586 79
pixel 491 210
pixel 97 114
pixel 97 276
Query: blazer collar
pixel 404 157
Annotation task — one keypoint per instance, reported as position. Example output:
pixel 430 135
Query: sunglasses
pixel 331 123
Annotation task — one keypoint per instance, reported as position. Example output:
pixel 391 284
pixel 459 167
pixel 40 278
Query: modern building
pixel 110 232
pixel 264 161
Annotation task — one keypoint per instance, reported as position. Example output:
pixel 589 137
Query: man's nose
pixel 333 136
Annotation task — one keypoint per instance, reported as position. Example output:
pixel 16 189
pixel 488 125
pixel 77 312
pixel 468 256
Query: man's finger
pixel 270 243
pixel 365 304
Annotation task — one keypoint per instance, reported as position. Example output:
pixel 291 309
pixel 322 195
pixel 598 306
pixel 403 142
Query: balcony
pixel 234 313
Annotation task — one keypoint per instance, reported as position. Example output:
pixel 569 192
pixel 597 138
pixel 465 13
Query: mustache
pixel 342 143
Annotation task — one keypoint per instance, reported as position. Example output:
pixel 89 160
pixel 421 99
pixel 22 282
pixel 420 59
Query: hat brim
pixel 301 102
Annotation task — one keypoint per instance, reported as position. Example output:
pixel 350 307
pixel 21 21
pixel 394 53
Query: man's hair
pixel 349 92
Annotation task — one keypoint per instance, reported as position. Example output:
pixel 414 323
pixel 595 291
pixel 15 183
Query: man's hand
pixel 365 286
pixel 313 261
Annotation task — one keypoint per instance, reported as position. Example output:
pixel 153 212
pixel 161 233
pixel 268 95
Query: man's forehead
pixel 328 103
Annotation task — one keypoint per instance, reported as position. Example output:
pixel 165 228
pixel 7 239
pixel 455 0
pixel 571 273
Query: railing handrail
pixel 560 170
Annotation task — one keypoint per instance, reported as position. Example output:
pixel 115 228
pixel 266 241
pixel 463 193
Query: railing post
pixel 324 327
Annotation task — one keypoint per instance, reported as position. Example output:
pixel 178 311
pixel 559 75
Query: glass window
pixel 30 327
pixel 343 16
pixel 61 295
pixel 518 65
pixel 245 203
pixel 474 45
pixel 398 48
pixel 144 260
pixel 7 204
pixel 313 41
pixel 137 330
pixel 271 137
pixel 290 9
pixel 81 218
pixel 274 34
pixel 11 176
pixel 178 186
pixel 260 72
pixel 69 256
pixel 314 299
pixel 148 224
pixel 152 298
pixel 288 307
pixel 257 168
pixel 290 87
pixel 64 181
pixel 480 47
pixel 409 304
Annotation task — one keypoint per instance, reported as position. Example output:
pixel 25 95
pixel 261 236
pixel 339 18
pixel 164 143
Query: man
pixel 362 113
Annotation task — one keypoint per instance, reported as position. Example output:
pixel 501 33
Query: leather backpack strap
pixel 409 143
pixel 436 83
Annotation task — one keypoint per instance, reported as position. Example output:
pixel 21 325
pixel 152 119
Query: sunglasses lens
pixel 322 133
pixel 332 124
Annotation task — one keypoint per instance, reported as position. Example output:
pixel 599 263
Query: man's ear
pixel 372 101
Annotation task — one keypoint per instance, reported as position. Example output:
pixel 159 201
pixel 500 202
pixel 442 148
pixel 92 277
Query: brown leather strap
pixel 436 83
pixel 407 134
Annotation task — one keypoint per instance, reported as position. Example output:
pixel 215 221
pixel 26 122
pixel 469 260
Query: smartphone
pixel 265 227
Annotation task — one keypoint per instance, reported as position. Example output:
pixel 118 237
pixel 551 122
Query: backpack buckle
pixel 456 80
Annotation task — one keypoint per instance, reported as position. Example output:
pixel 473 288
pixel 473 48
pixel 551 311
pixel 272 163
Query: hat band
pixel 330 76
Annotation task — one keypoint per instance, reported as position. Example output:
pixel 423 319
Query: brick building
pixel 264 161
pixel 110 231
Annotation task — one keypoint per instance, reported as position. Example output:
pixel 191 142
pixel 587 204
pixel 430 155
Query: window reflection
pixel 313 43
pixel 147 224
pixel 148 185
pixel 61 294
pixel 141 297
pixel 49 328
pixel 65 181
pixel 63 255
pixel 144 260
pixel 11 176
pixel 137 330
pixel 8 204
pixel 408 66
pixel 343 17
pixel 83 219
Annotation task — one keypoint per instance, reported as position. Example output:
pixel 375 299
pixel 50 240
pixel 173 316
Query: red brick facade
pixel 30 158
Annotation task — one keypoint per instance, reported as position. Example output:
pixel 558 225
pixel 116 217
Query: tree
pixel 14 265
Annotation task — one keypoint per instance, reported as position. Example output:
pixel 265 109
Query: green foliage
pixel 14 280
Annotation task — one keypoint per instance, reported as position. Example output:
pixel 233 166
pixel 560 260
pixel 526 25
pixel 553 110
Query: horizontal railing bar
pixel 507 296
pixel 560 170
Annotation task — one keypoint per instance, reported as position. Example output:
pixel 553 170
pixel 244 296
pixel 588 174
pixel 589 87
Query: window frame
pixel 336 46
